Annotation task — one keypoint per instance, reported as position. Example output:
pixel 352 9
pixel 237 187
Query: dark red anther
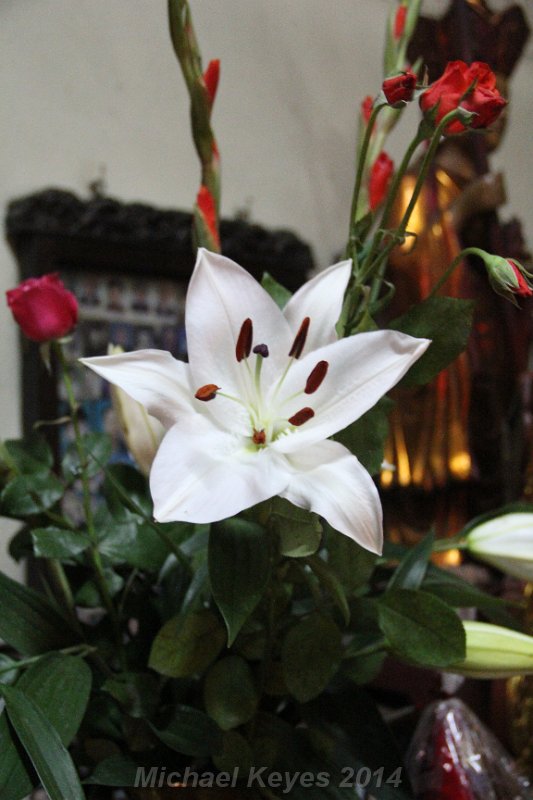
pixel 207 392
pixel 316 377
pixel 244 342
pixel 259 437
pixel 299 339
pixel 301 416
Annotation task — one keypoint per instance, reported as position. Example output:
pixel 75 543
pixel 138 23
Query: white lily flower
pixel 249 416
pixel 505 542
pixel 495 652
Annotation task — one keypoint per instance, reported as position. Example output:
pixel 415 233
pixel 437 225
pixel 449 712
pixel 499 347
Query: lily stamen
pixel 244 342
pixel 301 416
pixel 300 338
pixel 207 392
pixel 316 377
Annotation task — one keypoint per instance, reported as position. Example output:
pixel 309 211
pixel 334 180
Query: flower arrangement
pixel 222 619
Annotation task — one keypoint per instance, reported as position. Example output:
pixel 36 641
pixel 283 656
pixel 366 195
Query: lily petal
pixel 329 480
pixel 221 296
pixel 152 377
pixel 203 474
pixel 362 368
pixel 321 300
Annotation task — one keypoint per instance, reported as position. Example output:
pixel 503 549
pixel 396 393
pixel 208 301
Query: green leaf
pixel 277 292
pixel 311 654
pixel 352 564
pixel 134 543
pixel 365 437
pixel 299 531
pixel 58 543
pixel 28 622
pixel 331 584
pixel 447 321
pixel 89 596
pixel 27 495
pixel 117 770
pixel 137 692
pixel 59 686
pixel 413 566
pixel 236 753
pixel 97 447
pixel 239 569
pixel 8 675
pixel 230 695
pixel 41 741
pixel 191 732
pixel 30 455
pixel 421 628
pixel 185 646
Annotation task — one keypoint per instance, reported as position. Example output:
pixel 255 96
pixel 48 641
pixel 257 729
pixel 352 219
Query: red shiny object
pixel 43 308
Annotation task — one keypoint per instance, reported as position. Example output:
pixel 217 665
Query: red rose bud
pixel 399 22
pixel 207 209
pixel 366 108
pixel 43 308
pixel 399 88
pixel 380 176
pixel 471 87
pixel 507 276
pixel 211 78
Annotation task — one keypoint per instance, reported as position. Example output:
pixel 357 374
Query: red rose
pixel 523 289
pixel 399 21
pixel 400 88
pixel 43 308
pixel 472 87
pixel 380 175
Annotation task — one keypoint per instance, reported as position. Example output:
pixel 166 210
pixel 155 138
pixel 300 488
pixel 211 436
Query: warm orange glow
pixel 460 465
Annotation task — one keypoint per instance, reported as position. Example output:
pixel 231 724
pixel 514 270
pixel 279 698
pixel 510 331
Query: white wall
pixel 95 82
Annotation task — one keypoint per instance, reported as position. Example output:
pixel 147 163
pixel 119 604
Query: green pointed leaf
pixel 30 494
pixel 191 732
pixel 299 531
pixel 230 695
pixel 421 628
pixel 59 686
pixel 365 437
pixel 351 563
pixel 58 543
pixel 277 292
pixel 117 770
pixel 311 653
pixel 413 566
pixel 28 622
pixel 41 741
pixel 331 584
pixel 236 753
pixel 447 321
pixel 30 455
pixel 239 569
pixel 185 646
pixel 126 491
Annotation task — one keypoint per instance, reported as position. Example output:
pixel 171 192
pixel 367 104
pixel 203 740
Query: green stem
pixel 359 175
pixel 468 251
pixel 453 543
pixel 94 553
pixel 79 649
pixel 61 581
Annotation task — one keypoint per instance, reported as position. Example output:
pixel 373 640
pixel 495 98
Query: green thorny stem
pixel 375 262
pixel 94 552
pixel 188 53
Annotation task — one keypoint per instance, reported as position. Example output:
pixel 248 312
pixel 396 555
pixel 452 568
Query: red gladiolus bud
pixel 206 206
pixel 43 308
pixel 211 78
pixel 380 175
pixel 366 108
pixel 472 87
pixel 399 21
pixel 399 88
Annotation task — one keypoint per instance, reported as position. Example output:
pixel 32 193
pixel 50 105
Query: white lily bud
pixel 505 542
pixel 495 652
pixel 142 432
